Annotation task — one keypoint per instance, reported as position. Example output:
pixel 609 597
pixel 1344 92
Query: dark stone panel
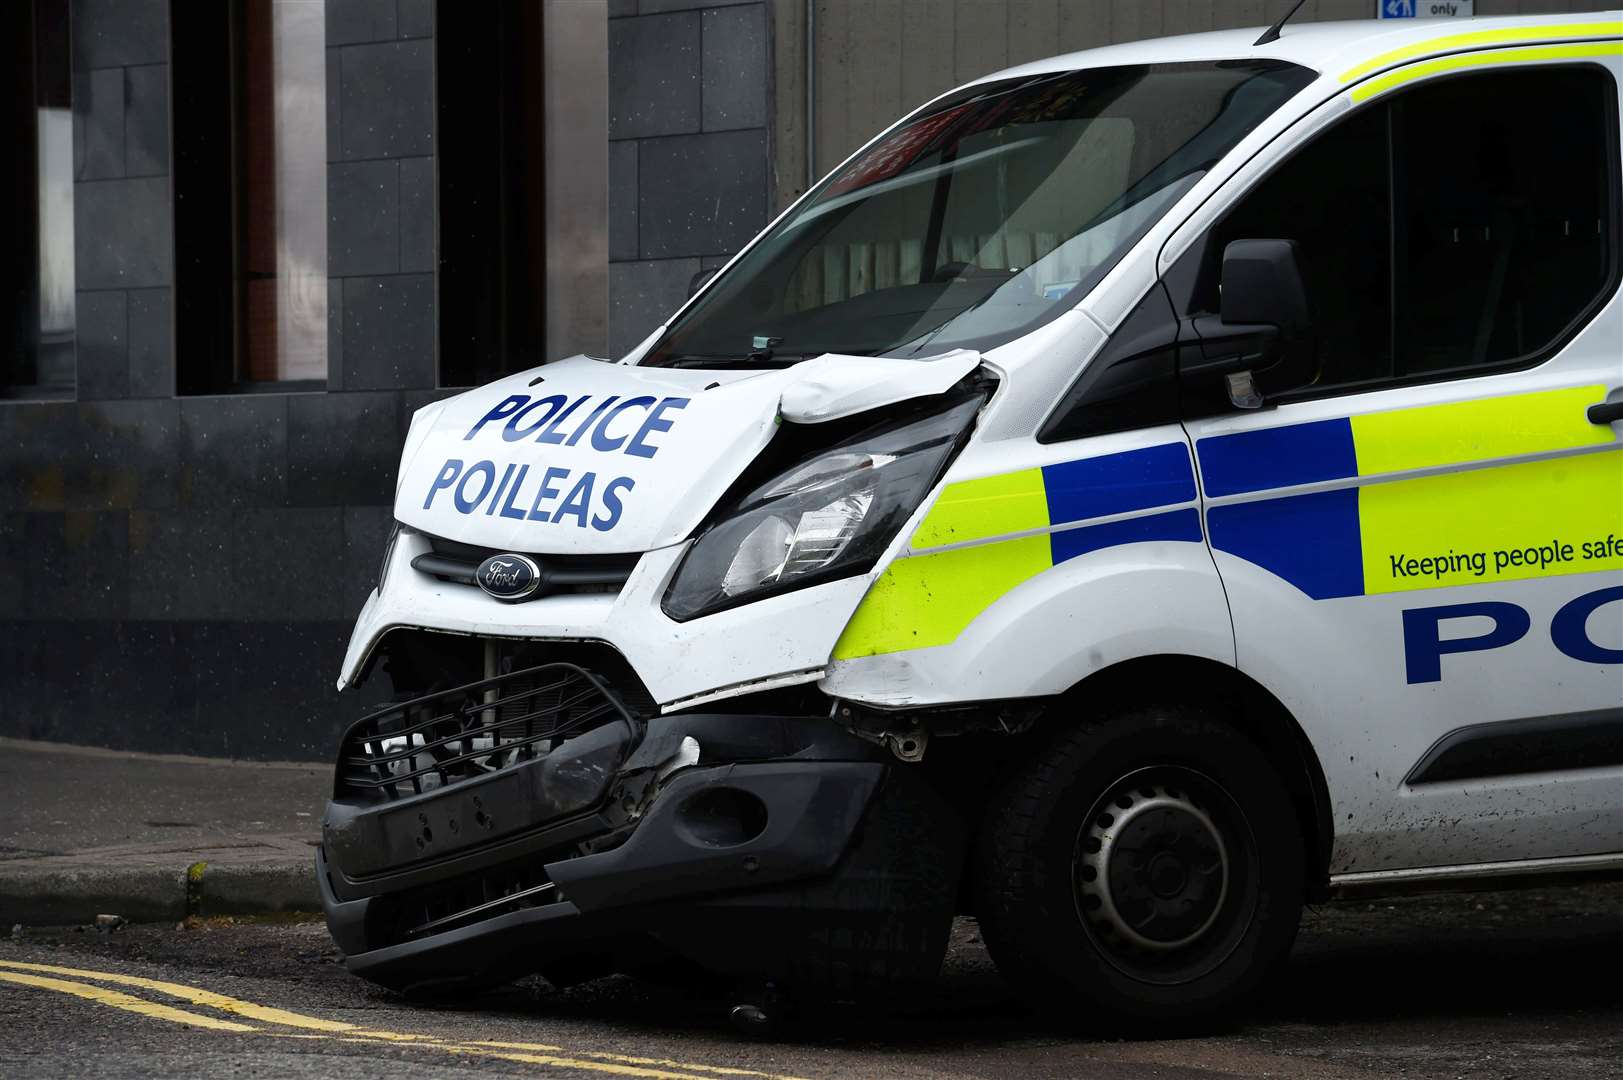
pixel 152 368
pixel 623 199
pixel 130 451
pixel 181 564
pixel 76 565
pixel 15 563
pixel 416 18
pixel 260 563
pixel 654 83
pixel 417 215
pixel 103 345
pixel 335 333
pixel 289 564
pixel 711 196
pixel 366 530
pixel 134 699
pixel 122 233
pixel 735 68
pixel 352 21
pixel 118 33
pixel 228 689
pixel 389 332
pixel 335 143
pixel 363 218
pixel 105 455
pixel 650 6
pixel 714 262
pixel 388 100
pixel 233 450
pixel 641 295
pixel 619 9
pixel 342 448
pixel 266 690
pixel 146 121
pixel 98 124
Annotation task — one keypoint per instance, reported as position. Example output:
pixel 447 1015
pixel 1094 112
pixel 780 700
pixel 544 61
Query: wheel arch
pixel 1250 707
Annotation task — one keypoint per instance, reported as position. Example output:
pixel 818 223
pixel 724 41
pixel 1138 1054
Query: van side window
pixel 1463 225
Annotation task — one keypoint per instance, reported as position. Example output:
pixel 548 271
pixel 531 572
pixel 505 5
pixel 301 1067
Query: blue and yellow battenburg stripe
pixel 1371 526
pixel 984 537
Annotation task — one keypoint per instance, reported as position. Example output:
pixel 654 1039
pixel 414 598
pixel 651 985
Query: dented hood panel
pixel 583 456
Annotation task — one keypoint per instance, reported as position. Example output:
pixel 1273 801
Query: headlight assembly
pixel 829 516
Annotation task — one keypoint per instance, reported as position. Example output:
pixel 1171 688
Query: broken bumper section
pixel 530 824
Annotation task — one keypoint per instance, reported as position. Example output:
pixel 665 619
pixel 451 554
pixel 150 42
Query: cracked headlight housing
pixel 828 516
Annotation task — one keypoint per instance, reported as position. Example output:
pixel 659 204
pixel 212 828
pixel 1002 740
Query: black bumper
pixel 802 855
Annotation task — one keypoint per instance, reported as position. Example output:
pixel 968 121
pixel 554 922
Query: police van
pixel 1136 494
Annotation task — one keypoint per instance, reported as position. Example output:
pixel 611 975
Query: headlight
pixel 830 516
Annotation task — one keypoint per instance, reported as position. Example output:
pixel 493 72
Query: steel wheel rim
pixel 1162 874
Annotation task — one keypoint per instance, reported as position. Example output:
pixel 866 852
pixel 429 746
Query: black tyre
pixel 1141 873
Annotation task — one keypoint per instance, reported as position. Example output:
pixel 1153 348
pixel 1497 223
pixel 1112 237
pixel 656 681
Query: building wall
pixel 181 573
pixel 878 59
pixel 689 99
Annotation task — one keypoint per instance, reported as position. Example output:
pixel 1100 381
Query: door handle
pixel 1606 412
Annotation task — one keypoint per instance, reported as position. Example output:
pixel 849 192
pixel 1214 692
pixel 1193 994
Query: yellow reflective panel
pixel 929 599
pixel 1528 520
pixel 1464 61
pixel 979 509
pixel 1466 431
pixel 1483 38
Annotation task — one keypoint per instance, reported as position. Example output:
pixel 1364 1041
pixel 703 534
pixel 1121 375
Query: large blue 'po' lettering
pixel 1424 647
pixel 1570 627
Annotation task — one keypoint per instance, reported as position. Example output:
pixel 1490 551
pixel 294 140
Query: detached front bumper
pixel 790 851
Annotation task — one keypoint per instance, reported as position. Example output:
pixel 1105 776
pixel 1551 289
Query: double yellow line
pixel 42 977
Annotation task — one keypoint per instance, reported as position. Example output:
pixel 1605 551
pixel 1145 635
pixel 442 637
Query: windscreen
pixel 973 222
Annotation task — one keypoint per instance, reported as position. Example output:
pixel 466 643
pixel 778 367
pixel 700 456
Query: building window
pixel 40 350
pixel 492 243
pixel 250 174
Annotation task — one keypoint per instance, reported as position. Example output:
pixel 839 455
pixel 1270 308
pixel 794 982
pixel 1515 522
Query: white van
pixel 1137 493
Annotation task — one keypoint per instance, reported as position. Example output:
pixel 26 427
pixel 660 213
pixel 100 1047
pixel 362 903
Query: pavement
pixel 87 832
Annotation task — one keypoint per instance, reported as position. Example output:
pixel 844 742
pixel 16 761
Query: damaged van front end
pixel 603 614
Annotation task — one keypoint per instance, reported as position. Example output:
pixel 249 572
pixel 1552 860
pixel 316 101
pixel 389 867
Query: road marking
pixel 544 1054
pixel 120 1000
pixel 568 1063
pixel 196 996
pixel 722 1070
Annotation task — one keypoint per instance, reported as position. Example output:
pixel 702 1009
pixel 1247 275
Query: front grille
pixel 449 560
pixel 472 731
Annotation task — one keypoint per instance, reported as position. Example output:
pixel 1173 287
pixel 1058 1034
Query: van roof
pixel 1344 50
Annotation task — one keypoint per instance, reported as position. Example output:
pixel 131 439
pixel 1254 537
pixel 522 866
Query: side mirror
pixel 1261 340
pixel 700 280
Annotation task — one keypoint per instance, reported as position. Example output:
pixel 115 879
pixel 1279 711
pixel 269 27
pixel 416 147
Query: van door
pixel 1422 539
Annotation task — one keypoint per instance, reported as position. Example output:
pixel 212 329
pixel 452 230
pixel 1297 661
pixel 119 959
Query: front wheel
pixel 1147 869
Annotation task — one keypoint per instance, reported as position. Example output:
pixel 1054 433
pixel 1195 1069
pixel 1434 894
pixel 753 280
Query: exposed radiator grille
pixel 471 731
pixel 456 562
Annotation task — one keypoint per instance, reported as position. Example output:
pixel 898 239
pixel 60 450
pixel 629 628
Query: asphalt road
pixel 1516 984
